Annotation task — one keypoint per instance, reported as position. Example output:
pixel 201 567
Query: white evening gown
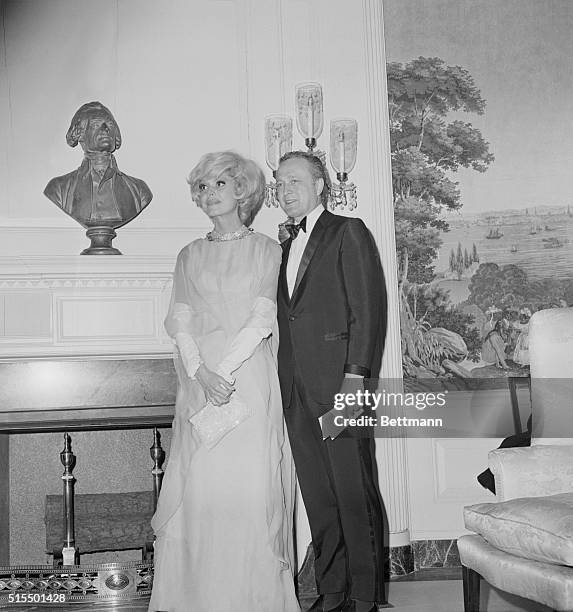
pixel 224 517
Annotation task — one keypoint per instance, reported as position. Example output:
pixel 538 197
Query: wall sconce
pixel 310 121
pixel 343 142
pixel 309 117
pixel 278 141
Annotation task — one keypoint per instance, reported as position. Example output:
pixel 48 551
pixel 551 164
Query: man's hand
pixel 351 383
pixel 216 388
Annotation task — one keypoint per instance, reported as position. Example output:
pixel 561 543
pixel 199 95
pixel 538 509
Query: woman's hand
pixel 216 388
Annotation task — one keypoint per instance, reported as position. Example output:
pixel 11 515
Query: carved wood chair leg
pixel 471 582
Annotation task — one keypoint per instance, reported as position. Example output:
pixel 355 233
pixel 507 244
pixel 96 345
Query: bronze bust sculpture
pixel 98 195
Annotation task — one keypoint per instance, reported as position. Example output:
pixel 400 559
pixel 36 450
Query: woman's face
pixel 217 197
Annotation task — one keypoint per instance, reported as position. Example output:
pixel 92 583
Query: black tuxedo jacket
pixel 335 320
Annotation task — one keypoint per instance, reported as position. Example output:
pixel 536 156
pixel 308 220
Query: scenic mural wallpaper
pixel 480 96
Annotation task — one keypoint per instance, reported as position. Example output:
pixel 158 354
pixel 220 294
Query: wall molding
pixel 84 305
pixel 447 455
pixel 50 268
pixel 34 237
pixel 391 452
pixel 83 283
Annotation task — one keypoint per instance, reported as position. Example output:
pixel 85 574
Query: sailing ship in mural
pixel 494 234
pixel 468 283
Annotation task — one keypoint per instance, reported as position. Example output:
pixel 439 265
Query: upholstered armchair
pixel 523 543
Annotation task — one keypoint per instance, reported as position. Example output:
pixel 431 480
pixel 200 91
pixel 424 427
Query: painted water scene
pixel 479 94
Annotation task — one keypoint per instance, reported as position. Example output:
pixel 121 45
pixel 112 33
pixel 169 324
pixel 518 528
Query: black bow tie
pixel 293 229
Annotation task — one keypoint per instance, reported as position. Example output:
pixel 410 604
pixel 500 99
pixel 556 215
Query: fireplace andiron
pixel 67 581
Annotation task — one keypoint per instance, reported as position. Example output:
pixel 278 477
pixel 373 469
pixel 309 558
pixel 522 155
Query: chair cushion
pixel 539 528
pixel 545 583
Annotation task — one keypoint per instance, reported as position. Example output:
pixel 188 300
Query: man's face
pixel 100 134
pixel 297 190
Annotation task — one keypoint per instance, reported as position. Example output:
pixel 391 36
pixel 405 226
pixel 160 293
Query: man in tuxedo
pixel 332 321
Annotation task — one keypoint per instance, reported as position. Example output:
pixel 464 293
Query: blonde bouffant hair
pixel 248 178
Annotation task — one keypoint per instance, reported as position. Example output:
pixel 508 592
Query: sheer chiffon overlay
pixel 224 517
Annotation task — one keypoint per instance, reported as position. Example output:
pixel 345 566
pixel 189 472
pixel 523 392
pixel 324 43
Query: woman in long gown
pixel 224 516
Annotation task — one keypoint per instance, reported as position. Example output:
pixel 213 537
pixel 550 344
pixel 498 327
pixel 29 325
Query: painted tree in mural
pixel 426 150
pixel 508 287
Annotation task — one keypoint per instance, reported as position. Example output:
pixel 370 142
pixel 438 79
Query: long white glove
pixel 243 345
pixel 189 353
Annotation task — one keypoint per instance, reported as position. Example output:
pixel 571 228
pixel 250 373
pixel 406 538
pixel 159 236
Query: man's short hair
pixel 80 121
pixel 249 180
pixel 317 170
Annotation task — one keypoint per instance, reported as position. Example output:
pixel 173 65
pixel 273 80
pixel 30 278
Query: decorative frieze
pixel 88 283
pixel 47 585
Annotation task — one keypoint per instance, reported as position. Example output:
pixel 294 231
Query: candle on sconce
pixel 278 141
pixel 341 160
pixel 276 148
pixel 282 148
pixel 310 122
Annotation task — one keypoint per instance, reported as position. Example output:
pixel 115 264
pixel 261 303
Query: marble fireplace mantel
pixel 82 342
pixel 42 395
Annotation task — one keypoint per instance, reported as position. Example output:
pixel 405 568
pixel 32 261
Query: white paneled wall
pixel 54 306
pixel 183 77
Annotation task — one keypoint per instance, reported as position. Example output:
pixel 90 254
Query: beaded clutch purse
pixel 212 423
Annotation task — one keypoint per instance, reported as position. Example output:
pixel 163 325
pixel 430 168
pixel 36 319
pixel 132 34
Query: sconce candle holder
pixel 309 113
pixel 310 122
pixel 343 145
pixel 278 141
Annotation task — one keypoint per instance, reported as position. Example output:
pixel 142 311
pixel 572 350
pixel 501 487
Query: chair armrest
pixel 532 471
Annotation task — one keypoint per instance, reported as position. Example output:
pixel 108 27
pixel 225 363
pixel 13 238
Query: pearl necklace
pixel 215 236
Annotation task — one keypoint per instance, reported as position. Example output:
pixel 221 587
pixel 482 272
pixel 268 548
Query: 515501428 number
pixel 35 598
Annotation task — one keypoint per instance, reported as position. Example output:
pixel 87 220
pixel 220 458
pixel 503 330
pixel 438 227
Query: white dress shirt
pixel 298 245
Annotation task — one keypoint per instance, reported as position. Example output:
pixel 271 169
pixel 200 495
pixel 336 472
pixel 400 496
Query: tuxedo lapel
pixel 283 286
pixel 312 250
